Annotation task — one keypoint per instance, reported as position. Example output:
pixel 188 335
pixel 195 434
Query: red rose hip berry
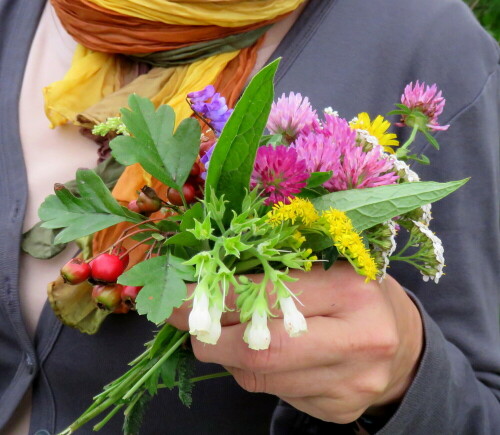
pixel 75 271
pixel 175 198
pixel 107 297
pixel 129 294
pixel 107 268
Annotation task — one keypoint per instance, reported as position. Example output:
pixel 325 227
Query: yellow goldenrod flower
pixel 301 210
pixel 349 242
pixel 377 128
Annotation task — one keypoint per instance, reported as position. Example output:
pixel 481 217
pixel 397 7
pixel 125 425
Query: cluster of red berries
pixel 103 271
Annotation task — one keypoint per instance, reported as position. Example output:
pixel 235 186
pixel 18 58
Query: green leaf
pixel 133 419
pixel 233 158
pixel 94 210
pixel 271 139
pixel 317 242
pixel 109 170
pixel 372 206
pixel 166 155
pixel 168 370
pixel 162 338
pixel 329 256
pixel 318 178
pixel 185 238
pixel 185 369
pixel 39 242
pixel 311 193
pixel 163 284
pixel 191 216
pixel 432 140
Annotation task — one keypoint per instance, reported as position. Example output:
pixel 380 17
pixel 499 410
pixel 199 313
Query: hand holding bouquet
pixel 315 190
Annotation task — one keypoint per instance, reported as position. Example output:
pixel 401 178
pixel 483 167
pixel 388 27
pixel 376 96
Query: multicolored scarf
pixel 185 46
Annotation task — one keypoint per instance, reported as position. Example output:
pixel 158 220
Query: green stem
pixel 401 152
pixel 108 417
pixel 200 378
pixel 144 378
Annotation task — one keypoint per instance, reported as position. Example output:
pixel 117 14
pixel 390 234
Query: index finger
pixel 320 293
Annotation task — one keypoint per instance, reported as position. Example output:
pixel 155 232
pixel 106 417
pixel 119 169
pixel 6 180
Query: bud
pixel 148 201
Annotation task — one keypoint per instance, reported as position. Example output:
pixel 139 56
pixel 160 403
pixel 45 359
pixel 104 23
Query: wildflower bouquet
pixel 312 190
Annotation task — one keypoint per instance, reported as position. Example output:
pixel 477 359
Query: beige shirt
pixel 54 156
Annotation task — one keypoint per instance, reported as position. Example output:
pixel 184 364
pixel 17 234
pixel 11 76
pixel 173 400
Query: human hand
pixel 360 352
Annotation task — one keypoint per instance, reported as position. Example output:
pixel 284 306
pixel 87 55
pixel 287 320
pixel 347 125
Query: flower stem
pixel 146 375
pixel 402 150
pixel 108 417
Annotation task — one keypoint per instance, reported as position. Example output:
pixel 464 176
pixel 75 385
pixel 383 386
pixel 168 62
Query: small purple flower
pixel 291 116
pixel 427 100
pixel 211 106
pixel 279 173
pixel 206 160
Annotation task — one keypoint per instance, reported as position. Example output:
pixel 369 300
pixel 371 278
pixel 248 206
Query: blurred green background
pixel 488 13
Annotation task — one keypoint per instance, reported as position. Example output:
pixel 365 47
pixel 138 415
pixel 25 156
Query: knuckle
pixel 263 361
pixel 251 382
pixel 373 384
pixel 388 344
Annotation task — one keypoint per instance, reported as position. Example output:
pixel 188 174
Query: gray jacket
pixel 353 55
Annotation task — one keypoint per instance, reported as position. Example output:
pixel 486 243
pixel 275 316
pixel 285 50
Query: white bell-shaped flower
pixel 212 335
pixel 294 321
pixel 257 334
pixel 199 317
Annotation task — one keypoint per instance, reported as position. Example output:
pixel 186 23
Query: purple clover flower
pixel 333 147
pixel 211 106
pixel 291 116
pixel 279 173
pixel 427 100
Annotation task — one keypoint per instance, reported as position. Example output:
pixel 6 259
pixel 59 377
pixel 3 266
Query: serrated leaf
pixel 374 205
pixel 163 284
pixel 232 160
pixel 166 155
pixel 94 209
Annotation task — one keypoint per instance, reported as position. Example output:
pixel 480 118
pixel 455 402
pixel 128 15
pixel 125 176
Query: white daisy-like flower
pixel 294 321
pixel 257 334
pixel 438 253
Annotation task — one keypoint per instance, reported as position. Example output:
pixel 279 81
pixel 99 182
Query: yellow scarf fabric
pixel 232 13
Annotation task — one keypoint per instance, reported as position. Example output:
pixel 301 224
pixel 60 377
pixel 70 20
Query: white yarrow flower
pixel 257 334
pixel 329 111
pixel 199 317
pixel 393 228
pixel 212 335
pixel 438 252
pixel 409 175
pixel 294 321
